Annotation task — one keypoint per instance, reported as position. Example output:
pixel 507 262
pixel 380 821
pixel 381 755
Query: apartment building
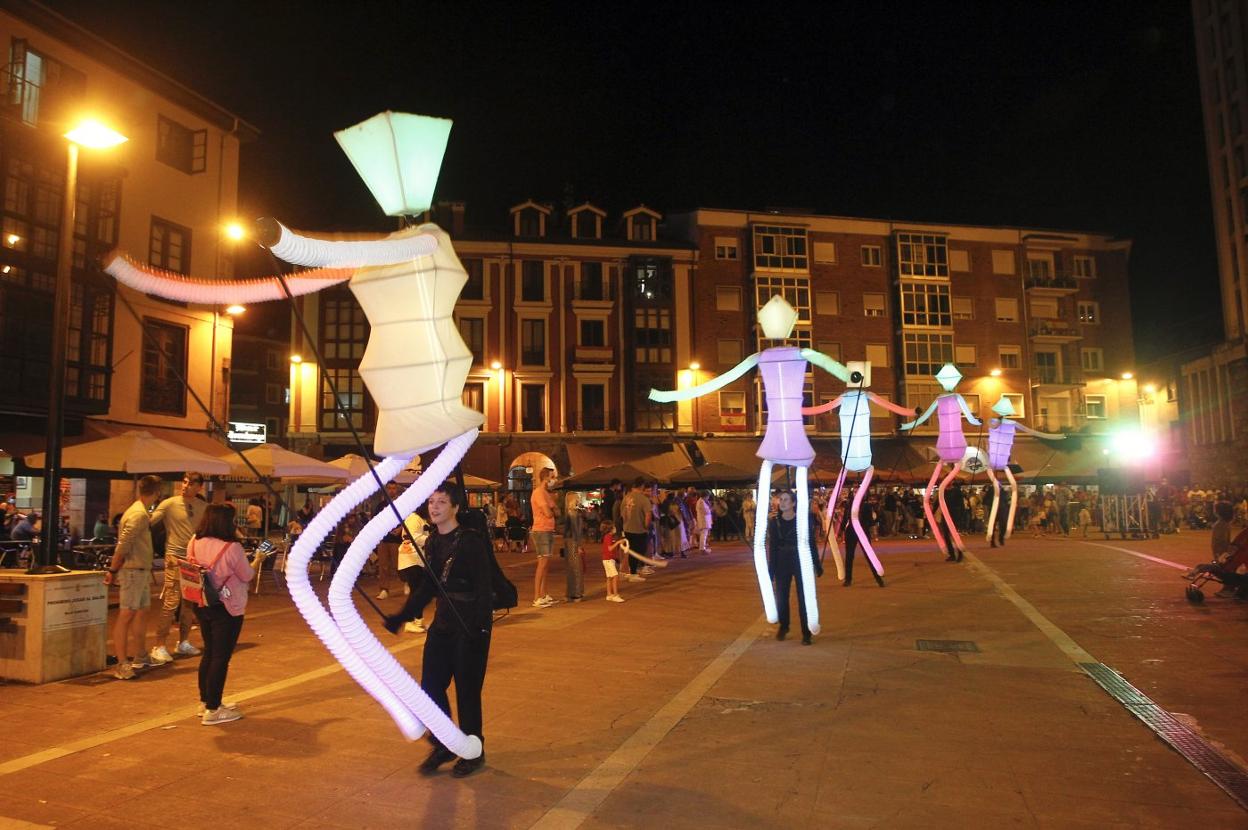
pixel 161 196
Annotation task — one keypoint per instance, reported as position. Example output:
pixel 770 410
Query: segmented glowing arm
pixel 966 410
pixel 186 289
pixel 711 385
pixel 827 364
pixel 919 420
pixel 306 250
pixel 824 407
pixel 889 405
pixel 1048 435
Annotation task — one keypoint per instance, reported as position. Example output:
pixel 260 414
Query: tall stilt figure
pixel 1000 445
pixel 950 447
pixel 783 371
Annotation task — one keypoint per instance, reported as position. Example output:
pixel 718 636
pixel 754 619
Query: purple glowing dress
pixel 1000 444
pixel 951 445
pixel 784 374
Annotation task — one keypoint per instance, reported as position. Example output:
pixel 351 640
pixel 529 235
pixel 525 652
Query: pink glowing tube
pixel 375 656
pixel 185 289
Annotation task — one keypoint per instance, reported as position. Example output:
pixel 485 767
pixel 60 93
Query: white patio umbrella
pixel 272 461
pixel 134 453
pixel 357 465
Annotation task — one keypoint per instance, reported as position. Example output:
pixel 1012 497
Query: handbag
pixel 197 587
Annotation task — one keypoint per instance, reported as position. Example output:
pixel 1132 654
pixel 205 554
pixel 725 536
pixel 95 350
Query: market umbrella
pixel 272 461
pixel 134 453
pixel 597 477
pixel 472 482
pixel 713 474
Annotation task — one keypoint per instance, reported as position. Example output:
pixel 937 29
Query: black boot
pixel 959 556
pixel 437 758
pixel 782 633
pixel 465 766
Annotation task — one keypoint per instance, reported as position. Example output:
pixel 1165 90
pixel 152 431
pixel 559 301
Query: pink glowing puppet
pixel 855 405
pixel 1000 444
pixel 415 365
pixel 783 371
pixel 951 447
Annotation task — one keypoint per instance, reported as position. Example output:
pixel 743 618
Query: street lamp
pixel 88 133
pixel 497 366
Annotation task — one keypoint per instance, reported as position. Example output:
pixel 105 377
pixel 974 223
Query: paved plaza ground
pixel 680 709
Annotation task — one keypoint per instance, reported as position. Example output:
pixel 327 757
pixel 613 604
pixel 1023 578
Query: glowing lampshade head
pixel 863 367
pixel 777 318
pixel 949 377
pixel 398 155
pixel 91 133
pixel 1003 407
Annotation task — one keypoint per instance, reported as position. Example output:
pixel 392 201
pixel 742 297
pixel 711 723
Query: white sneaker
pixel 540 603
pixel 407 589
pixel 225 714
pixel 549 599
pixel 199 713
pixel 615 598
pixel 160 655
pixel 185 648
pixel 415 627
pixel 124 672
pixel 383 594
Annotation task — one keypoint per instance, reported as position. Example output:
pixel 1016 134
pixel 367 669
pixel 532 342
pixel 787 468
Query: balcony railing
pixel 1056 330
pixel 1058 377
pixel 1061 283
pixel 593 290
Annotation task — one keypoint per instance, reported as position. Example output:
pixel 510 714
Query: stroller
pixel 1224 572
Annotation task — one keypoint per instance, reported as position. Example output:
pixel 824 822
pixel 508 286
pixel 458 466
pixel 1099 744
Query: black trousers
pixel 636 541
pixel 462 659
pixel 783 580
pixel 220 629
pixel 1003 519
pixel 851 548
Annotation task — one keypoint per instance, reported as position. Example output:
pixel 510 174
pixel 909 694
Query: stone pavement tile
pixel 78 793
pixel 463 804
pixel 39 810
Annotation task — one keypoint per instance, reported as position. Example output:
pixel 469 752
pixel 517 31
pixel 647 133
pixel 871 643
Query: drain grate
pixel 948 646
pixel 1200 753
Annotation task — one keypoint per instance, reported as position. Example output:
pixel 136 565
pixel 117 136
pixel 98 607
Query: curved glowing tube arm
pixel 919 420
pixel 825 407
pixel 1052 436
pixel 827 364
pixel 306 250
pixel 185 289
pixel 889 405
pixel 966 410
pixel 718 382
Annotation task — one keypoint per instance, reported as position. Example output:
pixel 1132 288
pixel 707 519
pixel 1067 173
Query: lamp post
pixel 87 134
pixel 502 403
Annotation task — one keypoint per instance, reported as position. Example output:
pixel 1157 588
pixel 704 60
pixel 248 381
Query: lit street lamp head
pixel 93 134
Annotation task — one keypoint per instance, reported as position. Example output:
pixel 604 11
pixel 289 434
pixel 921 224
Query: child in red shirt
pixel 608 562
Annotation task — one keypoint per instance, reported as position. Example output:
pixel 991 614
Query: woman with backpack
pixel 215 548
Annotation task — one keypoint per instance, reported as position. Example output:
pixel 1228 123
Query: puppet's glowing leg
pixel 996 502
pixel 1009 525
pixel 760 542
pixel 356 631
pixel 837 557
pixel 863 538
pixel 654 563
pixel 804 562
pixel 927 508
pixel 319 620
pixel 955 538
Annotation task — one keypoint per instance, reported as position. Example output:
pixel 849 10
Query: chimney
pixel 449 216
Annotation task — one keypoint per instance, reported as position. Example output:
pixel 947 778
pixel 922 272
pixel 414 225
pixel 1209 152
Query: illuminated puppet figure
pixel 1000 444
pixel 414 366
pixel 950 446
pixel 783 370
pixel 855 405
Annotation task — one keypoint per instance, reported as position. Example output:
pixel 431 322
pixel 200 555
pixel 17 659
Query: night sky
pixel 1054 115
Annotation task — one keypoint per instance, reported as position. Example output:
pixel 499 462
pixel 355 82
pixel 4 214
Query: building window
pixel 532 407
pixel 474 396
pixel 780 247
pixel 169 247
pixel 825 252
pixel 40 88
pixel 728 352
pixel 593 406
pixel 1044 308
pixel 652 279
pixel 726 248
pixel 273 360
pixel 732 410
pixel 963 308
pixel 164 367
pixel 532 342
pixel 959 260
pixel 827 302
pixel 727 298
pixel 832 350
pixel 344 329
pixel 593 333
pixel 1094 407
pixel 1089 312
pixel 1040 266
pixel 181 147
pixel 795 290
pixel 529 223
pixel 873 305
pixel 1011 357
pixel 273 394
pixel 877 355
pixel 1003 262
pixel 472 329
pixel 922 255
pixel 532 282
pixel 642 228
pixel 1093 360
pixel 1016 401
pixel 926 353
pixel 648 415
pixel 925 304
pixel 965 356
pixel 1007 310
pixel 652 335
pixel 351 403
pixel 585 224
pixel 474 289
pixel 1084 266
pixel 871 256
pixel 591 286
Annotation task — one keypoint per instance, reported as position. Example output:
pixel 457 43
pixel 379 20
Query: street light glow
pixel 496 365
pixel 235 310
pixel 12 239
pixel 695 365
pixel 996 373
pixel 296 358
pixel 1127 376
pixel 1150 388
pixel 93 134
pixel 235 231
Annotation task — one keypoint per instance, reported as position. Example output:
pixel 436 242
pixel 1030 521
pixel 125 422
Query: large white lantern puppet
pixel 1000 445
pixel 950 449
pixel 783 371
pixel 414 366
pixel 855 405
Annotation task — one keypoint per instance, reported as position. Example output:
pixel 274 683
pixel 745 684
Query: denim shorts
pixel 543 543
